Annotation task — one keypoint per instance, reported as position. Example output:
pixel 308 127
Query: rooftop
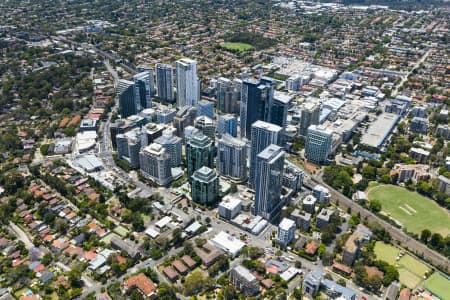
pixel 286 224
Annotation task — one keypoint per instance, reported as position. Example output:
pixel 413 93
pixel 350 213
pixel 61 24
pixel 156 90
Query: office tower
pixel 256 101
pixel 164 82
pixel 228 93
pixel 279 109
pixel 286 230
pixel 153 131
pixel 262 135
pixel 205 186
pixel 205 108
pixel 189 132
pixel 129 144
pixel 269 176
pixel 227 124
pixel 155 164
pixel 310 113
pixel 318 144
pixel 173 145
pixel 166 115
pixel 143 89
pixel 199 153
pixel 124 125
pixel 127 100
pixel 206 126
pixel 232 158
pixel 185 117
pixel 188 89
pixel 293 176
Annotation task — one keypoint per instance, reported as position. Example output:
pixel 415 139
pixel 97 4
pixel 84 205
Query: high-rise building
pixel 256 102
pixel 155 164
pixel 129 144
pixel 268 182
pixel 228 94
pixel 188 87
pixel 124 125
pixel 143 89
pixel 262 135
pixel 232 158
pixel 185 117
pixel 173 145
pixel 189 132
pixel 279 109
pixel 127 99
pixel 318 144
pixel 205 186
pixel 199 153
pixel 164 82
pixel 310 112
pixel 206 126
pixel 205 108
pixel 227 124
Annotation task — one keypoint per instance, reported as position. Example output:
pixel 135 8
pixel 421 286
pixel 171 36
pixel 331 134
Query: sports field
pixel 439 285
pixel 411 271
pixel 236 46
pixel 413 211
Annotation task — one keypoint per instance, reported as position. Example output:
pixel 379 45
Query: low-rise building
pixel 419 155
pixel 127 247
pixel 230 207
pixel 228 243
pixel 144 284
pixel 323 218
pixel 444 185
pixel 322 194
pixel 286 231
pixel 244 281
pixel 419 125
pixel 353 245
pixel 309 204
pixel 302 219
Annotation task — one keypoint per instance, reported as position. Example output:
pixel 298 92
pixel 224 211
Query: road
pixel 148 263
pixel 21 235
pixel 104 54
pixel 405 78
pixel 407 242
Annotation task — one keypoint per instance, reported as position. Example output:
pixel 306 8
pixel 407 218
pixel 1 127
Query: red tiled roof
pixel 142 282
pixel 311 248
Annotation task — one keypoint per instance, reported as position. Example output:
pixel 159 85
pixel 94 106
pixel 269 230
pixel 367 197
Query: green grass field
pixel 439 285
pixel 236 46
pixel 386 252
pixel 120 230
pixel 413 211
pixel 410 270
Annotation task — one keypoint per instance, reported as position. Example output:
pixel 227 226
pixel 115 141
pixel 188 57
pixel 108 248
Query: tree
pixel 166 292
pixel 375 205
pixel 436 241
pixel 137 222
pixel 342 281
pixel 193 283
pixel 230 293
pixel 75 278
pixel 47 259
pixel 177 236
pixel 425 236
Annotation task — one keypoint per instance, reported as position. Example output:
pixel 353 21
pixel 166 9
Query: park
pixel 236 46
pixel 411 270
pixel 412 210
